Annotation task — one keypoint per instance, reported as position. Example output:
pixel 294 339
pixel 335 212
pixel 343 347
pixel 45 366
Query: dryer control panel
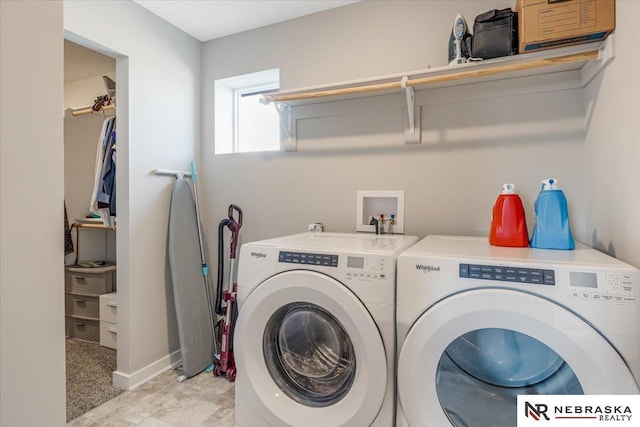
pixel 535 276
pixel 608 286
pixel 618 287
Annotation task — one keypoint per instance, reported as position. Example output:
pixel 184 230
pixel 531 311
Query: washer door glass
pixel 481 373
pixel 309 355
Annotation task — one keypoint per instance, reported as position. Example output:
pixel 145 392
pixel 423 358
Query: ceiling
pixel 202 19
pixel 210 19
pixel 81 63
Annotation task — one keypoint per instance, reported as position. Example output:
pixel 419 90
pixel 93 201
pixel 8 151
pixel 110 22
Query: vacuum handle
pixel 234 226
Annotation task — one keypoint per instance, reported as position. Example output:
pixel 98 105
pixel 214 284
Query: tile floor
pixel 201 401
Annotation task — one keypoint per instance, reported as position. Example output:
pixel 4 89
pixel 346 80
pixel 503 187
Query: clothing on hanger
pixel 103 195
pixel 107 185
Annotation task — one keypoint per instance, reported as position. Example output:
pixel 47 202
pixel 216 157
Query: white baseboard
pixel 141 376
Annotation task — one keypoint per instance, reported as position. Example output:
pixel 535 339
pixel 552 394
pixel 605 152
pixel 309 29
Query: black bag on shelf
pixel 495 34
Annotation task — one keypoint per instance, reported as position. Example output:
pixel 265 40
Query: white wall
pixel 613 145
pixel 158 80
pixel 471 146
pixel 32 351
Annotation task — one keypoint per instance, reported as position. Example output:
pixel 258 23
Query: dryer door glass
pixel 481 373
pixel 309 355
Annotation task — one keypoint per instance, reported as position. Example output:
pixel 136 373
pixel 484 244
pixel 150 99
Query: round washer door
pixel 310 352
pixel 466 358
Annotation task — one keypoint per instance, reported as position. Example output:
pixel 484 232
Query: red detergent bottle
pixel 508 224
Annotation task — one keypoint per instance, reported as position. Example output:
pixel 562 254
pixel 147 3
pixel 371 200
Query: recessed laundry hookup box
pixel 545 24
pixel 376 203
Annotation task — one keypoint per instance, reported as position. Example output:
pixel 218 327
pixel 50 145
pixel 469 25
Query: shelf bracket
pixel 412 131
pixel 286 125
pixel 606 53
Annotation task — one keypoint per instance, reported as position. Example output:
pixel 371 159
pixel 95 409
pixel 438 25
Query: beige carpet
pixel 89 375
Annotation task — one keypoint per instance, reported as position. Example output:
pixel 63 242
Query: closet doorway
pixel 90 136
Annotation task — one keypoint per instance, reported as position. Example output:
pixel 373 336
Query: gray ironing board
pixel 189 293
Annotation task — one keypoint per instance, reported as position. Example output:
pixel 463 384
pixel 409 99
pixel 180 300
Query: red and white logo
pixel 578 410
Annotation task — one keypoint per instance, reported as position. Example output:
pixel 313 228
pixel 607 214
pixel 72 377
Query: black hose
pixel 225 222
pixel 375 222
pixel 234 317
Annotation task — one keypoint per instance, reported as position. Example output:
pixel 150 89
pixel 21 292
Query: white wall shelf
pixel 586 59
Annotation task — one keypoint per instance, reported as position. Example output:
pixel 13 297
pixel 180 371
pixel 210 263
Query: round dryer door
pixel 465 360
pixel 311 352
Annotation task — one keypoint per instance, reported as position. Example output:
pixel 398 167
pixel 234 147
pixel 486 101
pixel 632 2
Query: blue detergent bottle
pixel 552 229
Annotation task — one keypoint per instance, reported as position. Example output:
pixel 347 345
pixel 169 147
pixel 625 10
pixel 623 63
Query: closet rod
pixel 91 110
pixel 176 174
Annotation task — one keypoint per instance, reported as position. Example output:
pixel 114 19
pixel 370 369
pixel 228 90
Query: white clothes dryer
pixel 479 324
pixel 315 337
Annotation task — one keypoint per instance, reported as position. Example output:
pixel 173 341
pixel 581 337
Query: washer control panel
pixel 534 276
pixel 366 268
pixel 326 260
pixel 359 268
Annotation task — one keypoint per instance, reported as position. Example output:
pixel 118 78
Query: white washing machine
pixel 479 324
pixel 315 338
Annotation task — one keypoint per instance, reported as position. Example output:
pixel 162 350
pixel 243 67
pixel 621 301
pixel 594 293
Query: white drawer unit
pixel 109 320
pixel 109 307
pixel 109 335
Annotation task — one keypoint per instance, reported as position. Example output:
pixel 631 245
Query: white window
pixel 242 123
